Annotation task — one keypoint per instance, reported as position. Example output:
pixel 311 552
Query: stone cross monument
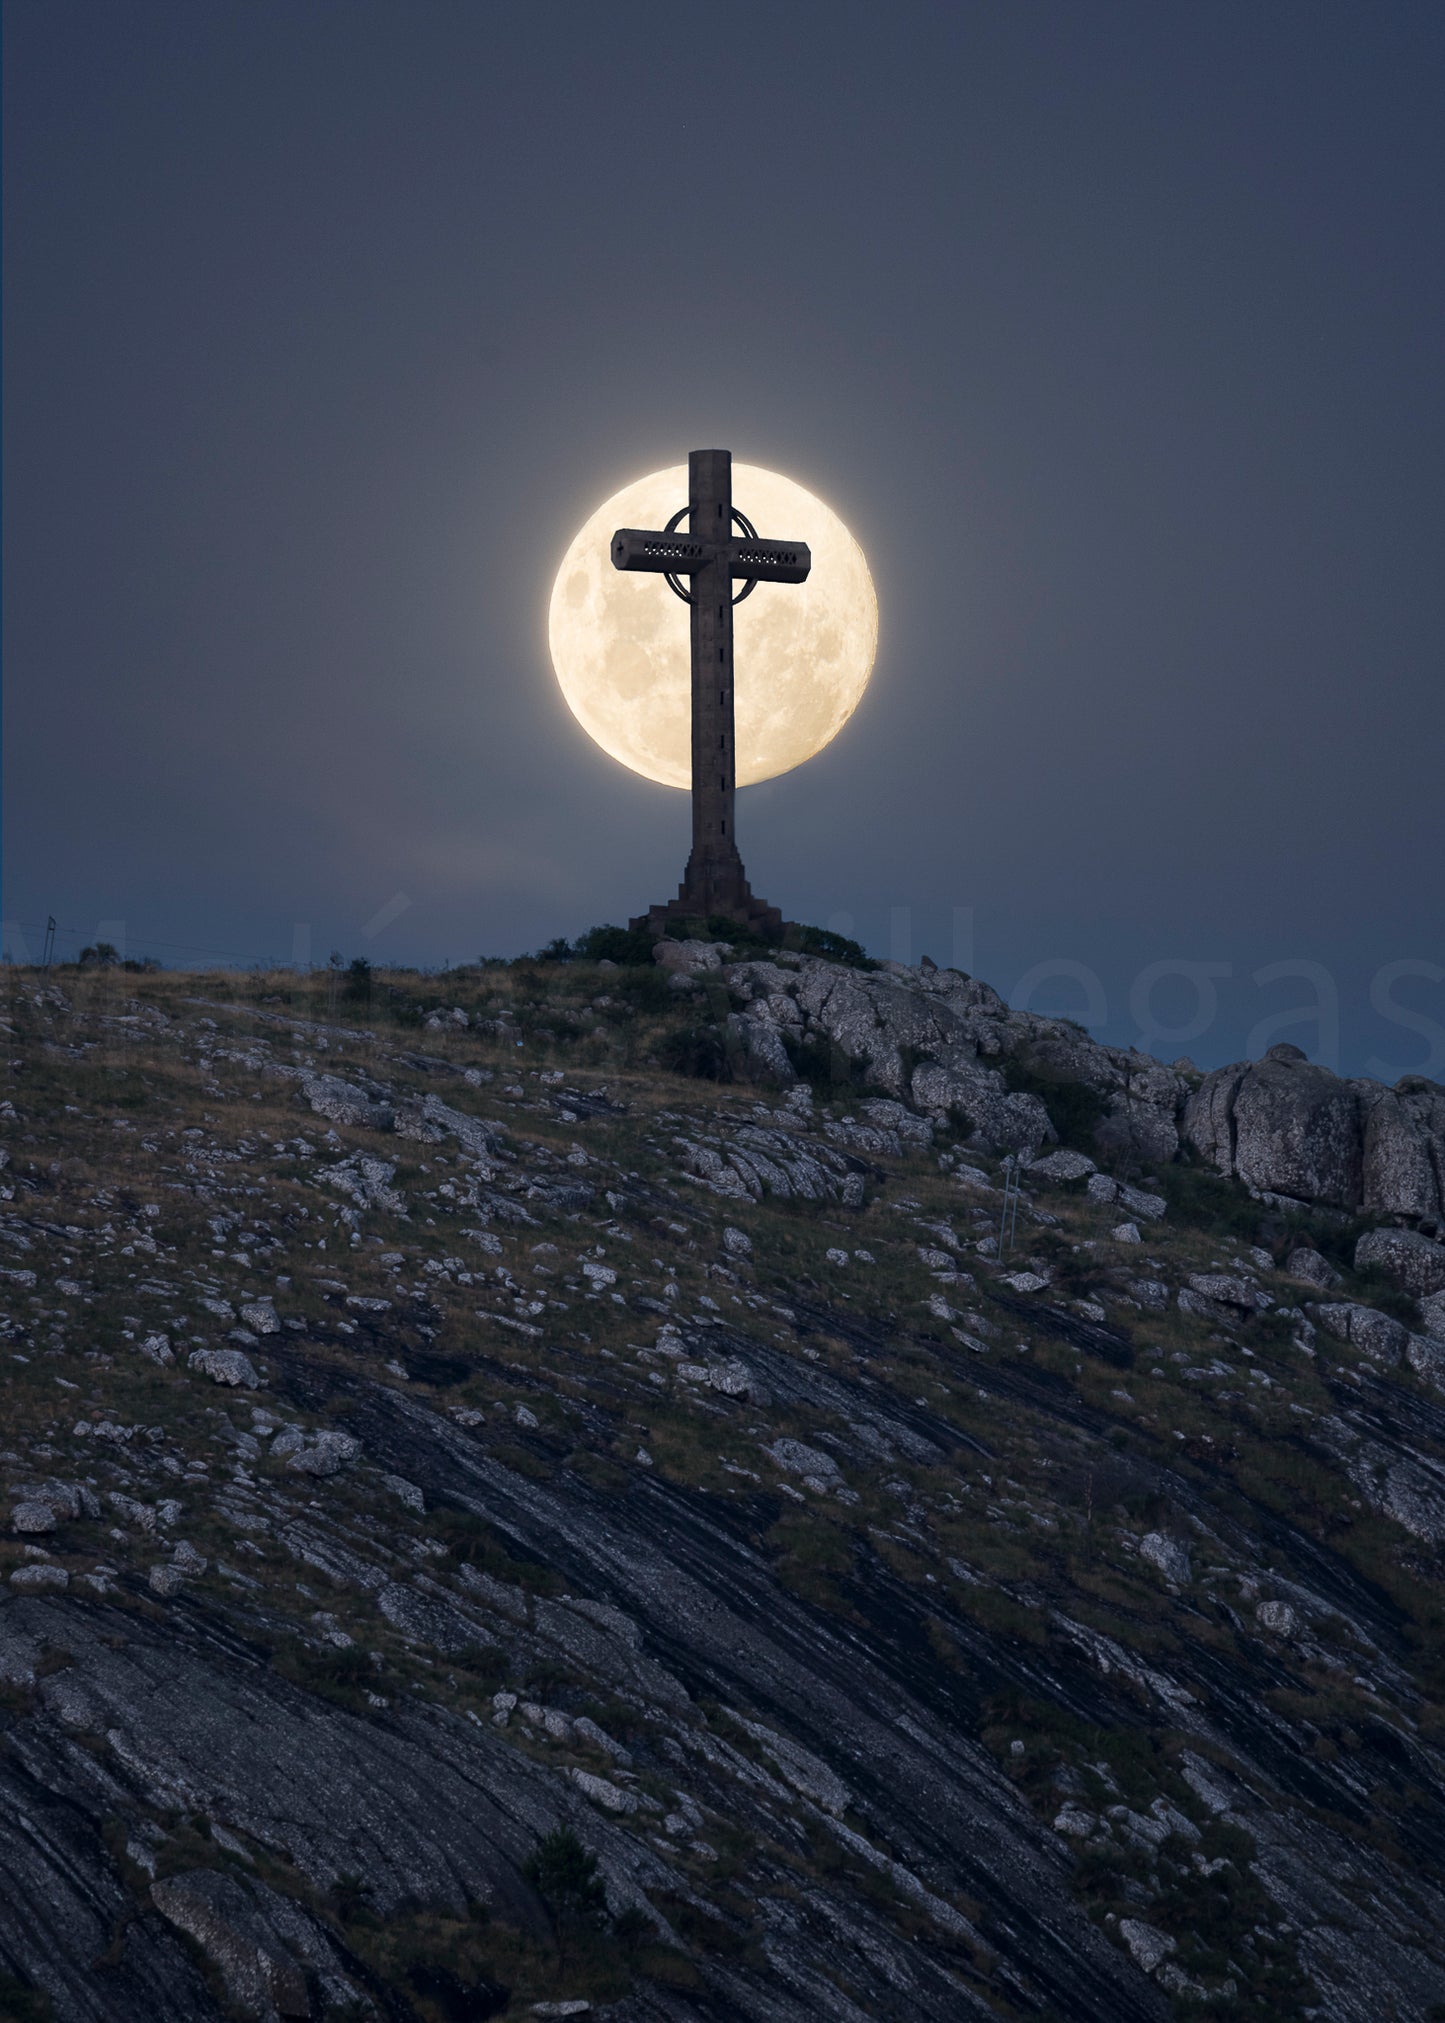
pixel 701 566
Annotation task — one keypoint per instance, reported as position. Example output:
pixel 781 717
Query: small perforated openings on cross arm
pixel 672 551
pixel 777 558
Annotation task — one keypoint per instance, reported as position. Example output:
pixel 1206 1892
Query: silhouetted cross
pixel 711 557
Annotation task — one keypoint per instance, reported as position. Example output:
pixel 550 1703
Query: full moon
pixel 803 652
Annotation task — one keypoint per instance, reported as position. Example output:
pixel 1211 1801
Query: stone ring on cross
pixel 679 589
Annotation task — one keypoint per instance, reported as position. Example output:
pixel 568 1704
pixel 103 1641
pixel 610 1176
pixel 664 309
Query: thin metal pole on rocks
pixel 1008 1216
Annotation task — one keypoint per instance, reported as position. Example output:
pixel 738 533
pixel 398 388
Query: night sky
pixel 1113 332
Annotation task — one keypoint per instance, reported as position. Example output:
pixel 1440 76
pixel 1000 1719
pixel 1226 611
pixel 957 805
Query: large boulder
pixel 1376 1335
pixel 1414 1263
pixel 978 1099
pixel 1284 1126
pixel 1403 1147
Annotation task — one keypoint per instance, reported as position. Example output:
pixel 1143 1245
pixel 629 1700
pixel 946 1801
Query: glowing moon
pixel 803 652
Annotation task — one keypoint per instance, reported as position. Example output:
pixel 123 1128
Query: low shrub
pixel 696 1051
pixel 644 989
pixel 1074 1108
pixel 1213 1202
pixel 22 2003
pixel 831 947
pixel 823 1064
pixel 625 945
pixel 343 1676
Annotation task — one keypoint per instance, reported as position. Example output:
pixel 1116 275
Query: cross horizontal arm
pixel 771 561
pixel 661 554
pixel 680 555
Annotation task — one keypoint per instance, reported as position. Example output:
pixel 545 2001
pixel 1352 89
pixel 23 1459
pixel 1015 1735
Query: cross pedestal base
pixel 743 908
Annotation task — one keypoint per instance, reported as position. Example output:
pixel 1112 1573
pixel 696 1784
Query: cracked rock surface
pixel 913 1604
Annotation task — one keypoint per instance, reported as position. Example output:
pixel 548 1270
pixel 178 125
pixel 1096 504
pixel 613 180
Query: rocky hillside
pixel 734 1487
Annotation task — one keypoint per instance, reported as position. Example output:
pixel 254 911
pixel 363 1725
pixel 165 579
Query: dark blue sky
pixel 1114 332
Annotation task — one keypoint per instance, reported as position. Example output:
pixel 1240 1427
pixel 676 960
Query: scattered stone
pixel 1143 1207
pixel 1151 1293
pixel 225 1366
pixel 1167 1555
pixel 1312 1267
pixel 589 1731
pixel 1415 1263
pixel 40 1578
pixel 1074 1821
pixel 1426 1357
pixel 330 1453
pixel 602 1791
pixel 129 1511
pixel 1062 1166
pixel 1149 1946
pixel 1221 1289
pixel 733 1378
pixel 1025 1281
pixel 1277 1616
pixel 798 1459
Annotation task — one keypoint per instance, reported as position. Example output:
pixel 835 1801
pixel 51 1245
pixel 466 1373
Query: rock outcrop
pixel 929 1583
pixel 949 1046
pixel 1286 1127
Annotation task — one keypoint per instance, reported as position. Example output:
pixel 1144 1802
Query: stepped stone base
pixel 709 897
pixel 754 913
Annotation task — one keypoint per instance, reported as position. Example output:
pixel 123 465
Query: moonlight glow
pixel 803 652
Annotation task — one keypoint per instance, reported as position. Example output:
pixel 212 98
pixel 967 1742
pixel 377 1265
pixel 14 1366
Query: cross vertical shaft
pixel 714 880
